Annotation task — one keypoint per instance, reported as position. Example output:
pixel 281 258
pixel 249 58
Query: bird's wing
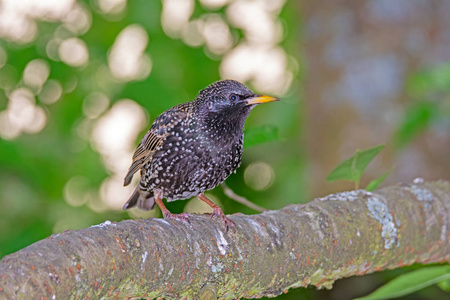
pixel 154 138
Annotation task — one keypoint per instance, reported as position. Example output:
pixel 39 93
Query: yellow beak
pixel 261 99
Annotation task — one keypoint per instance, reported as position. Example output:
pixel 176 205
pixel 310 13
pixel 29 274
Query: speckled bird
pixel 193 147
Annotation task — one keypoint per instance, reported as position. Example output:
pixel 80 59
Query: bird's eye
pixel 233 97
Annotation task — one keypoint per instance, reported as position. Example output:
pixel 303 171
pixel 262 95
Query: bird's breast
pixel 193 160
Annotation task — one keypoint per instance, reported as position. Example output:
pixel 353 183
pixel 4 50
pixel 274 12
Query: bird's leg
pixel 217 211
pixel 167 214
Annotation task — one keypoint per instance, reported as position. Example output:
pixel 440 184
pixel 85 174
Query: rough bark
pixel 341 235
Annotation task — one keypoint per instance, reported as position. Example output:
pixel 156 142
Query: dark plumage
pixel 193 147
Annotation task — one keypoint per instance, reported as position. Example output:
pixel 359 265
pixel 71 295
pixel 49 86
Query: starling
pixel 193 147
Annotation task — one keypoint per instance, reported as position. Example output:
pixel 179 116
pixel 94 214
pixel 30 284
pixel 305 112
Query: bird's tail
pixel 143 199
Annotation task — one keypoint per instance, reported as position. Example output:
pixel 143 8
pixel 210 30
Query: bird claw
pixel 184 217
pixel 218 213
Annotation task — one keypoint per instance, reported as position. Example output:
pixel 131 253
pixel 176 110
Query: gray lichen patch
pixel 222 243
pixel 144 258
pixel 344 196
pixel 380 212
pixel 217 267
pixel 105 224
pixel 421 193
pixel 418 180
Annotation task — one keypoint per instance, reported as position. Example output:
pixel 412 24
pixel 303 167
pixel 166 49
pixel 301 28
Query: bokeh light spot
pixel 127 60
pixel 197 206
pixel 79 19
pixel 8 75
pixel 37 121
pixel 175 15
pixel 36 73
pixel 51 92
pixel 75 191
pixel 137 213
pixel 259 23
pixel 95 104
pixel 113 194
pixel 15 26
pixel 217 34
pixel 73 52
pixel 191 33
pixel 114 136
pixel 8 130
pixel 117 129
pixel 18 18
pixel 21 115
pixel 70 84
pixel 52 48
pixel 259 176
pixel 214 4
pixel 265 67
pixel 112 7
pixel 3 57
pixel 49 10
pixel 95 202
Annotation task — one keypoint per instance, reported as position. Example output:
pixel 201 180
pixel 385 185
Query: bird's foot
pixel 184 217
pixel 218 213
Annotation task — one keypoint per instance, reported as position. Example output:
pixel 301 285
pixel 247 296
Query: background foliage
pixel 55 175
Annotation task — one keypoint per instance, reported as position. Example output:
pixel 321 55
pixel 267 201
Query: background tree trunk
pixel 341 235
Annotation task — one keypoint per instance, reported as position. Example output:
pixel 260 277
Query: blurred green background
pixel 81 82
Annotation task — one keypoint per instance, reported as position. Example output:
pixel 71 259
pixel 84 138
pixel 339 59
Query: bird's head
pixel 231 98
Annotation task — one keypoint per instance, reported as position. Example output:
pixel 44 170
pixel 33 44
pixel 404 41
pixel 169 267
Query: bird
pixel 193 147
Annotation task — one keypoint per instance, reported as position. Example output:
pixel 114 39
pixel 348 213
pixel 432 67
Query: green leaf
pixel 418 117
pixel 353 168
pixel 411 282
pixel 435 79
pixel 376 182
pixel 259 135
pixel 444 285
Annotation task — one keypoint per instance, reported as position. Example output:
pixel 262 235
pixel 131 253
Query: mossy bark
pixel 341 235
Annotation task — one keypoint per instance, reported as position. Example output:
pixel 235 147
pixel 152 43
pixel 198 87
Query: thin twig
pixel 232 195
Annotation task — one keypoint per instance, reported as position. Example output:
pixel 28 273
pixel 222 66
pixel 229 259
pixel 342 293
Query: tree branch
pixel 338 236
pixel 232 195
